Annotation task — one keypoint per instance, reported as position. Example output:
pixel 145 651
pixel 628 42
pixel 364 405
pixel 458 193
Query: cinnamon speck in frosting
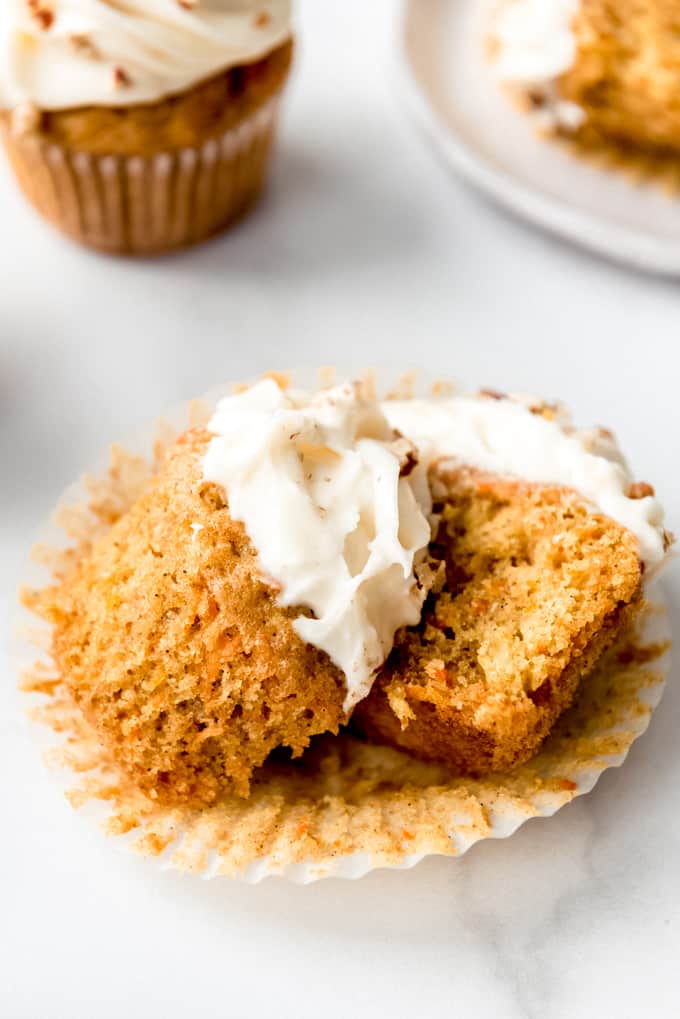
pixel 50 50
pixel 42 14
pixel 83 44
pixel 121 78
pixel 640 490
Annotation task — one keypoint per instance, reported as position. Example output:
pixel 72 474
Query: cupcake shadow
pixel 432 902
pixel 318 215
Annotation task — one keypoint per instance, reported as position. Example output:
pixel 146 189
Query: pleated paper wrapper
pixel 346 807
pixel 135 205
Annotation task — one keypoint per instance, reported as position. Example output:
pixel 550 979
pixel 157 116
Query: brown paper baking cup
pixel 134 205
pixel 345 807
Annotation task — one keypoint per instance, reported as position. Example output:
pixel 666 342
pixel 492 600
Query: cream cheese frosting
pixel 60 54
pixel 534 45
pixel 333 492
pixel 505 437
pixel 337 510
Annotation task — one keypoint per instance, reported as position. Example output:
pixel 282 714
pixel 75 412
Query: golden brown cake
pixel 206 111
pixel 596 70
pixel 306 556
pixel 626 76
pixel 175 648
pixel 237 595
pixel 534 587
pixel 347 805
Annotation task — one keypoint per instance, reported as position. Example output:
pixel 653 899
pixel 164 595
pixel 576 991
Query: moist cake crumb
pixel 175 649
pixel 533 588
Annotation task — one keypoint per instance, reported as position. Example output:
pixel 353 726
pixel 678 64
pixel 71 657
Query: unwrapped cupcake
pixel 143 127
pixel 324 632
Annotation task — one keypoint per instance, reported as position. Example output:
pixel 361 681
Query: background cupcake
pixel 595 71
pixel 142 128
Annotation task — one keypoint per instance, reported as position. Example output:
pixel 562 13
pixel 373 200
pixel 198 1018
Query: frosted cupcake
pixel 443 575
pixel 595 71
pixel 141 128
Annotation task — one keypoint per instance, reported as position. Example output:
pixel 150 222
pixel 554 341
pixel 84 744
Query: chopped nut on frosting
pixel 121 77
pixel 84 45
pixel 351 522
pixel 51 51
pixel 42 14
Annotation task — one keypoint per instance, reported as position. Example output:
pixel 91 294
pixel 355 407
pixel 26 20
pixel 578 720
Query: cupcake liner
pixel 138 205
pixel 346 807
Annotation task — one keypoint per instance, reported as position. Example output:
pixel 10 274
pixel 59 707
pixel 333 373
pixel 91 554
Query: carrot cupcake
pixel 317 577
pixel 595 70
pixel 140 128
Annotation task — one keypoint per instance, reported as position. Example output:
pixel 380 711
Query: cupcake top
pixel 336 505
pixel 523 437
pixel 62 54
pixel 348 476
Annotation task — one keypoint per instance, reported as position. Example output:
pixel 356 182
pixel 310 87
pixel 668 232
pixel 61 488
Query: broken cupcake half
pixel 438 574
pixel 593 70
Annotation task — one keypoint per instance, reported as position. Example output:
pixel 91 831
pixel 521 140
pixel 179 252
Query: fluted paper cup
pixel 346 807
pixel 135 205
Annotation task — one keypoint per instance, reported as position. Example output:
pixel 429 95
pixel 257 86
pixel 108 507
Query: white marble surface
pixel 365 251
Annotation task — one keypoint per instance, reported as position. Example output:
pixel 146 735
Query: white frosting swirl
pixel 318 484
pixel 59 54
pixel 340 526
pixel 535 44
pixel 504 437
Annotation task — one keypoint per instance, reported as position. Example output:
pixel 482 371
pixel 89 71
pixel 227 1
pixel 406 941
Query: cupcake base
pixel 348 807
pixel 145 205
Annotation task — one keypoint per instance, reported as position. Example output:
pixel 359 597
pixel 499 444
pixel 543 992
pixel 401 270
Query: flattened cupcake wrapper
pixel 346 807
pixel 138 205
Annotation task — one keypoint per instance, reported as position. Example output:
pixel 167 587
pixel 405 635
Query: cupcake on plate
pixel 144 127
pixel 326 630
pixel 594 70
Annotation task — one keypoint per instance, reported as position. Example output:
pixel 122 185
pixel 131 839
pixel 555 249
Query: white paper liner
pixel 138 205
pixel 346 807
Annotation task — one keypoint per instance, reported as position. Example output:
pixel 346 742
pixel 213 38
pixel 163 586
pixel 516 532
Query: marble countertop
pixel 365 251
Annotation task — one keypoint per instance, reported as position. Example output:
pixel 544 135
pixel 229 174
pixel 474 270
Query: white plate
pixel 450 88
